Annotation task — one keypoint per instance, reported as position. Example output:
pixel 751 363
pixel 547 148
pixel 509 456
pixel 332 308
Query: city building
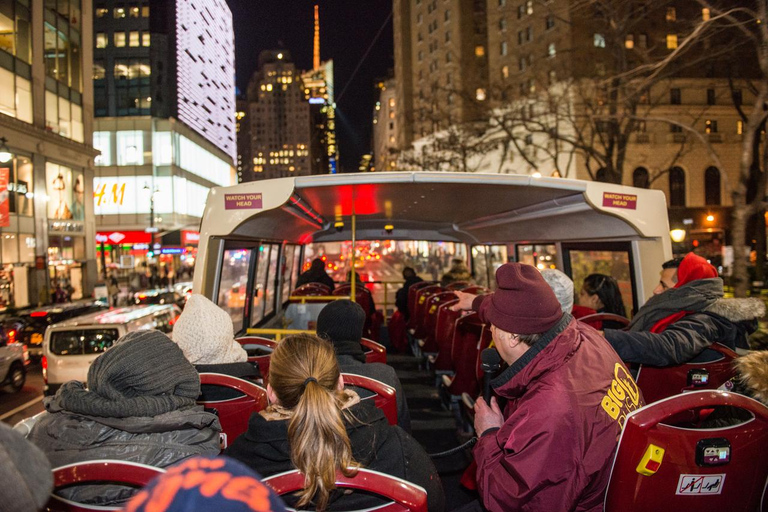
pixel 165 124
pixel 244 164
pixel 46 157
pixel 441 64
pixel 385 127
pixel 279 118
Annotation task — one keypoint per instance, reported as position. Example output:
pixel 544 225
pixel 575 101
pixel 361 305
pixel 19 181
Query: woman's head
pixel 601 293
pixel 304 376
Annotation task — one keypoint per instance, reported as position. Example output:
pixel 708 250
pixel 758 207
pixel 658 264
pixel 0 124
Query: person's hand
pixel 487 417
pixel 465 301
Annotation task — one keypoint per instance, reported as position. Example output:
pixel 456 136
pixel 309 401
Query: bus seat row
pixel 404 495
pixel 661 463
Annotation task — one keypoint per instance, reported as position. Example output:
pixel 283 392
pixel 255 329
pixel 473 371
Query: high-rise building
pixel 441 64
pixel 385 126
pixel 165 124
pixel 279 118
pixel 46 157
pixel 244 164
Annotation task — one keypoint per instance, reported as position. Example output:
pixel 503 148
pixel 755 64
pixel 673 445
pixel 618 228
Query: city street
pixel 14 407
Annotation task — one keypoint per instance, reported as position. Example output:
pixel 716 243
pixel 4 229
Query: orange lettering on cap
pixel 249 491
pixel 213 483
pixel 137 501
pixel 164 493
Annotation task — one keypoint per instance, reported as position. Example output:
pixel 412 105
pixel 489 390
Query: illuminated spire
pixel 317 39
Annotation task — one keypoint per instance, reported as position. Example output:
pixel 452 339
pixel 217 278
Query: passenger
pixel 751 380
pixel 25 473
pixel 457 272
pixel 317 426
pixel 316 274
pixel 562 286
pixel 205 334
pixel 401 297
pixel 685 316
pixel 341 322
pixel 216 484
pixel 602 294
pixel 139 407
pixel 553 448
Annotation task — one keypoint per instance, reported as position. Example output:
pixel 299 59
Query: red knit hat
pixel 692 268
pixel 523 303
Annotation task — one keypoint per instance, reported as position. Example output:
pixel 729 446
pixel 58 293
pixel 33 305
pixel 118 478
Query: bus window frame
pixel 565 254
pixel 248 245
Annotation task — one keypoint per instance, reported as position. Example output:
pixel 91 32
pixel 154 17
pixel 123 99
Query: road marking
pixel 21 407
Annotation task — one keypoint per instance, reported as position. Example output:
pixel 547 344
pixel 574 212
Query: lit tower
pixel 318 89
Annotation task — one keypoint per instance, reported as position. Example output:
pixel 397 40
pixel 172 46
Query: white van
pixel 70 347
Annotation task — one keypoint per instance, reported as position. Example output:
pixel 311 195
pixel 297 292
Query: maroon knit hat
pixel 523 303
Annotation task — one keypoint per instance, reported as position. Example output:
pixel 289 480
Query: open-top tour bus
pixel 256 238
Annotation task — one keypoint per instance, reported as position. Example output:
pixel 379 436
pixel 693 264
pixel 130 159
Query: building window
pixel 130 147
pixel 479 50
pixel 145 39
pixel 671 14
pixel 101 12
pixel 502 3
pixel 63 117
pixel 551 51
pixel 549 22
pixel 101 40
pixel 705 14
pixel 599 40
pixel 529 7
pixel 676 187
pixel 15 96
pixel 520 37
pixel 629 42
pixel 710 96
pixel 421 56
pixel 419 18
pixel 675 128
pixel 520 11
pixel 529 34
pixel 480 94
pixel 448 57
pixel 675 97
pixel 671 41
pixel 521 64
pixel 119 12
pixel 447 37
pixel 504 72
pixel 739 127
pixel 133 38
pixel 736 95
pixel 391 103
pixel 119 38
pixel 552 77
pixel 710 126
pixel 133 12
pixel 712 186
pixel 503 49
pixel 503 24
pixel 99 71
pixel 640 178
pixel 447 15
pixel 145 11
pixel 103 142
pixel 642 40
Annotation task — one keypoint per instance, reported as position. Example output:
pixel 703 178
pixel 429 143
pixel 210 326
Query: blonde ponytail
pixel 304 375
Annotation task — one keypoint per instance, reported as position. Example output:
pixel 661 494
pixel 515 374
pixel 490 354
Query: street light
pixel 5 153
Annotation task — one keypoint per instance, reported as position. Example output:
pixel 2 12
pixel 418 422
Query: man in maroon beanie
pixel 569 395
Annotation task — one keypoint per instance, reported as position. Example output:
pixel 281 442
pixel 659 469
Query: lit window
pixel 505 72
pixel 710 126
pixel 391 102
pixel 642 40
pixel 134 12
pixel 101 12
pixel 705 15
pixel 392 139
pixel 480 94
pixel 145 11
pixel 479 50
pixel 671 14
pixel 133 38
pixel 739 127
pixel 629 42
pixel 103 142
pixel 145 39
pixel 599 41
pixel 671 41
pixel 101 40
pixel 503 49
pixel 551 51
pixel 119 39
pixel 529 7
pixel 119 12
pixel 130 147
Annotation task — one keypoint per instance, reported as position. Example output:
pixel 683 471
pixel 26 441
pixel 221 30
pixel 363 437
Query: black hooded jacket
pixel 375 444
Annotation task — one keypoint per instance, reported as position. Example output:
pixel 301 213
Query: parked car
pixel 71 346
pixel 28 326
pixel 158 296
pixel 14 359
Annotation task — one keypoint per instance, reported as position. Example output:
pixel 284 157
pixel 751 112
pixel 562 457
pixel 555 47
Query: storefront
pixel 123 250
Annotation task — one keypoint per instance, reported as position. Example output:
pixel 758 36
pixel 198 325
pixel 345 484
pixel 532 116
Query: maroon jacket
pixel 569 396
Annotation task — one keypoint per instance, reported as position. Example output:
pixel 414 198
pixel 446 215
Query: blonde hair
pixel 304 374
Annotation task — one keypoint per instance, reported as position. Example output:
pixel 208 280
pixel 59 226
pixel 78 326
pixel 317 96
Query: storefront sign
pixel 190 237
pixel 242 201
pixel 5 217
pixel 618 200
pixel 65 227
pixel 124 237
pixel 172 250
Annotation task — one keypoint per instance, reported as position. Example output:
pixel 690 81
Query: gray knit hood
pixel 143 374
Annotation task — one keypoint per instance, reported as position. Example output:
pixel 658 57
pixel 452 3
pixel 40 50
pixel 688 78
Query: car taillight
pixel 12 335
pixel 25 354
pixel 44 363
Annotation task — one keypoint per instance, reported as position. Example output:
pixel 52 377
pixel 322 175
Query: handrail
pixel 278 333
pixel 317 298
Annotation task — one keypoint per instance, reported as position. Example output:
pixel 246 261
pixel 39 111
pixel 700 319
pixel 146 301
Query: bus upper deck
pixel 257 237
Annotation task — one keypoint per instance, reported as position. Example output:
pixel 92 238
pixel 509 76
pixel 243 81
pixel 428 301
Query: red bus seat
pixel 457 285
pixel 419 313
pixel 235 413
pixel 98 472
pixel 365 299
pixel 384 395
pixel 430 319
pixel 260 352
pixel 476 290
pixel 692 474
pixel 466 350
pixel 405 496
pixel 374 352
pixel 412 291
pixel 398 336
pixel 311 289
pixel 658 383
pixel 596 319
pixel 444 327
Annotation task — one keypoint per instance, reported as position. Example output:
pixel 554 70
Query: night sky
pixel 346 31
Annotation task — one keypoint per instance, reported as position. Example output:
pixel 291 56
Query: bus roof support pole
pixel 352 279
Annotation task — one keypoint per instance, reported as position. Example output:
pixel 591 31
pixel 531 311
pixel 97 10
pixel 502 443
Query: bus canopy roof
pixel 471 208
